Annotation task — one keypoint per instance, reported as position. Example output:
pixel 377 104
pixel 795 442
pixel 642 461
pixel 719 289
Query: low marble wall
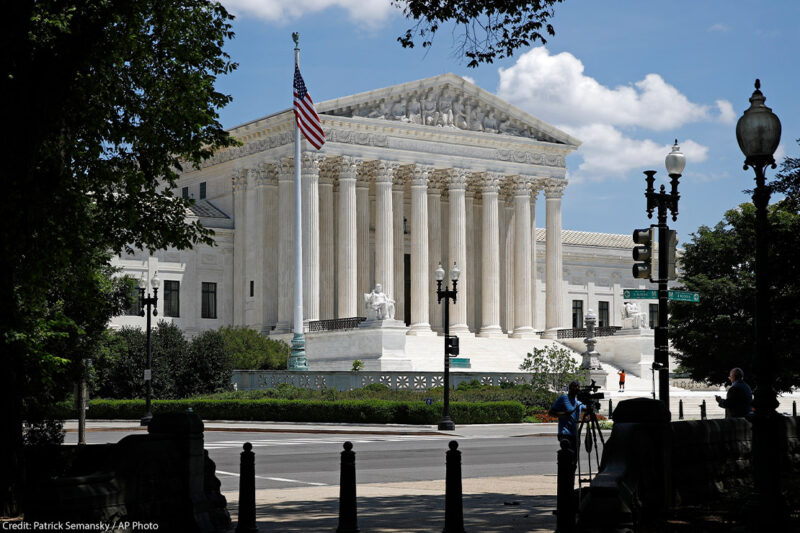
pixel 339 380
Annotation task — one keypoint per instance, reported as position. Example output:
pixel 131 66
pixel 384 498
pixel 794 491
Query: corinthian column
pixel 458 249
pixel 311 237
pixel 435 245
pixel 420 324
pixel 398 239
pixel 522 260
pixel 285 246
pixel 554 301
pixel 362 221
pixel 326 245
pixel 535 187
pixel 348 235
pixel 490 265
pixel 384 237
pixel 239 245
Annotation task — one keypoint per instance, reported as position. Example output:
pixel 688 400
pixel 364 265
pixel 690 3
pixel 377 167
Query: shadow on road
pixel 486 513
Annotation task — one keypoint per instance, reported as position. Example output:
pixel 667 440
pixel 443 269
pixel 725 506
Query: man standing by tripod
pixel 568 409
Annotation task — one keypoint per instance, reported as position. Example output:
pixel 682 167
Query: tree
pixel 717 334
pixel 486 29
pixel 104 102
pixel 250 350
pixel 552 368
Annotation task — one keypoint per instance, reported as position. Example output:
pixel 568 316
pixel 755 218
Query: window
pixel 577 313
pixel 202 190
pixel 209 304
pixel 653 316
pixel 602 315
pixel 252 288
pixel 185 192
pixel 172 299
pixel 135 307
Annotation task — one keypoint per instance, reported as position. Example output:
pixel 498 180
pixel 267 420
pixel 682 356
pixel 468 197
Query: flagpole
pixel 298 360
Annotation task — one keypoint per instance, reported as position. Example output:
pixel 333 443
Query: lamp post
pixel 758 133
pixel 450 343
pixel 663 201
pixel 147 302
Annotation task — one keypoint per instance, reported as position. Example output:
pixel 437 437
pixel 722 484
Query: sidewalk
pixel 513 504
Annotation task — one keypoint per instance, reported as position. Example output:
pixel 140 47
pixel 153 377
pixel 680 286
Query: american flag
pixel 305 114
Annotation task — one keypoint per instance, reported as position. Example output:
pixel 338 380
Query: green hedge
pixel 359 411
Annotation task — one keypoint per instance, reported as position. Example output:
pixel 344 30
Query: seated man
pixel 378 304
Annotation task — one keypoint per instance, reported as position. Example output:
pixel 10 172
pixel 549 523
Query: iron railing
pixel 334 324
pixel 580 333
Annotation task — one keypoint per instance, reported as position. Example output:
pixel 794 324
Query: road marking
pixel 259 443
pixel 276 479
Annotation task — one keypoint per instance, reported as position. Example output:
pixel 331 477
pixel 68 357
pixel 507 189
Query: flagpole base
pixel 298 359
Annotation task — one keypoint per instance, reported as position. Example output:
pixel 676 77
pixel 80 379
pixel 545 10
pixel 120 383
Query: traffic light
pixel 644 253
pixel 673 244
pixel 452 345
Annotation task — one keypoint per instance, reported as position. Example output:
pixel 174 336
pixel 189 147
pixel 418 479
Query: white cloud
pixel 719 27
pixel 469 79
pixel 370 13
pixel 726 113
pixel 780 153
pixel 608 153
pixel 555 89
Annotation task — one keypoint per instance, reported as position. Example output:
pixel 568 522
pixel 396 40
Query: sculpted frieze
pixel 356 137
pixel 443 107
pixel 533 158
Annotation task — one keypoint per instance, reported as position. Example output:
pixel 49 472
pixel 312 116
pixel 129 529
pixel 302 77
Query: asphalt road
pixel 301 459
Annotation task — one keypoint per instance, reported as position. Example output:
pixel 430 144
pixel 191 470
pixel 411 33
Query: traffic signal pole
pixel 661 348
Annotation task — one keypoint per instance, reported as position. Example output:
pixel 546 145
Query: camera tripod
pixel 590 442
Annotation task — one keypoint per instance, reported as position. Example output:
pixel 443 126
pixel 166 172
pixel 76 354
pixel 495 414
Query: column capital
pixel 457 179
pixel 265 173
pixel 554 188
pixel 421 176
pixel 239 179
pixel 521 185
pixel 348 169
pixel 366 172
pixel 385 171
pixel 311 163
pixel 329 170
pixel 404 174
pixel 286 169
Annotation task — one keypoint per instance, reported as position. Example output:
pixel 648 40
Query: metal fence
pixel 335 324
pixel 580 333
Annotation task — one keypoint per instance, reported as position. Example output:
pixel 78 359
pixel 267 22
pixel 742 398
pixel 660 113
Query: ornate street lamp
pixel 450 343
pixel 758 133
pixel 147 302
pixel 662 202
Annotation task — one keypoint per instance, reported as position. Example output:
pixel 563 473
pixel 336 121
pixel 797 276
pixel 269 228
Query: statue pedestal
pixel 379 344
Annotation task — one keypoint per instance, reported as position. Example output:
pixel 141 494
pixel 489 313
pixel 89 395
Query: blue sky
pixel 625 77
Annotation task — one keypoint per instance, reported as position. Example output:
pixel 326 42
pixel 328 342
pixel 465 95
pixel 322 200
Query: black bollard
pixel 610 409
pixel 794 408
pixel 565 492
pixel 703 410
pixel 348 515
pixel 680 409
pixel 247 491
pixel 453 505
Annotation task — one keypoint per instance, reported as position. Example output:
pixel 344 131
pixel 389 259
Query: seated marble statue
pixel 633 317
pixel 378 304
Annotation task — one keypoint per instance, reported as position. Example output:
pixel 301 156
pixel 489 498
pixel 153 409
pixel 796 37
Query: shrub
pixel 250 350
pixel 354 411
pixel 552 368
pixel 207 367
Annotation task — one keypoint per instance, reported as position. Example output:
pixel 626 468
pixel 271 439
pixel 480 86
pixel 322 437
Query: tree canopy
pixel 103 103
pixel 717 334
pixel 484 30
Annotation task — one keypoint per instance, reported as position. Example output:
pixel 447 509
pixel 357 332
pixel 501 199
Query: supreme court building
pixel 435 170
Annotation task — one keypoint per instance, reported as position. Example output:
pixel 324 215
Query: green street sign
pixel 684 296
pixel 640 294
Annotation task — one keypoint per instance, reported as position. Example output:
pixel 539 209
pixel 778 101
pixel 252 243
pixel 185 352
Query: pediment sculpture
pixel 443 107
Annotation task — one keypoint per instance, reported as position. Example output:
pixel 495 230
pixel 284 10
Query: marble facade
pixel 411 175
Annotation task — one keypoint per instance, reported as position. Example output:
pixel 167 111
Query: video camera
pixel 589 396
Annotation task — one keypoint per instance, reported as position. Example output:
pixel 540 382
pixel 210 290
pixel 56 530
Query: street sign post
pixel 640 294
pixel 684 296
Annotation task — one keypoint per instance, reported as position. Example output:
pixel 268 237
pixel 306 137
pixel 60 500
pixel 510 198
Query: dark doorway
pixel 407 289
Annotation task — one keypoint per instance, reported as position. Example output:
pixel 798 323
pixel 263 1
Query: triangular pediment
pixel 445 101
